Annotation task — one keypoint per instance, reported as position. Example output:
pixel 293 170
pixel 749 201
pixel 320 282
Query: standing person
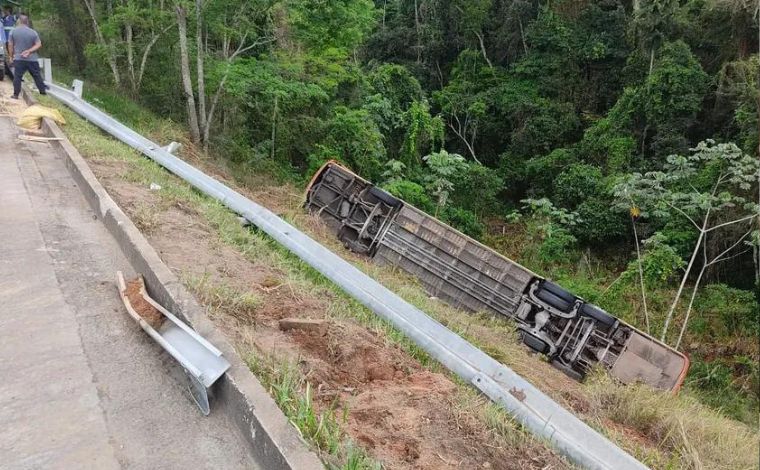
pixel 9 21
pixel 23 45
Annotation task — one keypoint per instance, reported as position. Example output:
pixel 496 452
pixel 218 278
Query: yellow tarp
pixel 32 116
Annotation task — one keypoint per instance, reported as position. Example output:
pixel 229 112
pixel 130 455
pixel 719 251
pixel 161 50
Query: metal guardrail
pixel 533 409
pixel 202 362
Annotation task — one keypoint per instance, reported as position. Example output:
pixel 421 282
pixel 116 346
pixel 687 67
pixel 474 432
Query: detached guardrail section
pixel 533 409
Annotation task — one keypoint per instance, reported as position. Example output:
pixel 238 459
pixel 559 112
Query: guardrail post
pixel 46 65
pixel 77 87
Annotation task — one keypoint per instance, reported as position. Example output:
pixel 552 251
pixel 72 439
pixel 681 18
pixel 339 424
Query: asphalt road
pixel 81 385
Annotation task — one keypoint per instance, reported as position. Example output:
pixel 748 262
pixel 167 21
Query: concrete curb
pixel 274 442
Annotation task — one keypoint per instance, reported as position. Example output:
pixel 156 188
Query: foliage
pixel 599 223
pixel 443 167
pixel 412 193
pixel 355 138
pixel 423 131
pixel 552 226
pixel 463 220
pixel 672 96
pixel 338 25
pixel 477 188
pixel 715 383
pixel 660 263
pixel 727 312
pixel 586 108
pixel 714 178
pixel 542 171
pixel 577 183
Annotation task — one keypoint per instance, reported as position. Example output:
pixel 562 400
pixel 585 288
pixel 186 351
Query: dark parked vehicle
pixel 574 334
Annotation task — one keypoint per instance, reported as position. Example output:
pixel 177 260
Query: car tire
pixel 555 296
pixel 534 342
pixel 384 197
pixel 603 319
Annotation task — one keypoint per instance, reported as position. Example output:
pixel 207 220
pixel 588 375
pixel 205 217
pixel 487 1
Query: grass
pixel 682 432
pixel 694 436
pixel 221 298
pixel 257 247
pixel 323 429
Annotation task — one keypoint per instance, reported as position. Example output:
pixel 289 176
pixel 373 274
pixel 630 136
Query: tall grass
pixel 694 436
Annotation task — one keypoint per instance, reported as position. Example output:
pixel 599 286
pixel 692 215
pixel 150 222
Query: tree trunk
pixel 673 306
pixel 128 34
pixel 651 61
pixel 483 49
pixel 146 53
pixel 187 82
pixel 200 63
pixel 705 265
pixel 274 126
pixel 212 110
pixel 691 304
pixel 417 31
pixel 522 34
pixel 641 276
pixel 111 56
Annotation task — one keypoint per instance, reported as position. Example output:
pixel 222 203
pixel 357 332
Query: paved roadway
pixel 81 385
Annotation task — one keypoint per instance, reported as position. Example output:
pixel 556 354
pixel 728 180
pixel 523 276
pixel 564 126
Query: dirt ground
pixel 403 415
pixel 8 105
pixel 148 312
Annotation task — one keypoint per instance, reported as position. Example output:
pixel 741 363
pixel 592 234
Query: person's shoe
pixel 14 97
pixel 43 93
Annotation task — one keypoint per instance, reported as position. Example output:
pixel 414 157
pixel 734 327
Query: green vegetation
pixel 321 427
pixel 293 395
pixel 651 417
pixel 610 145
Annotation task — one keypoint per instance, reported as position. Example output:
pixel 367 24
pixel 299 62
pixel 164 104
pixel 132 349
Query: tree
pixel 443 166
pixel 472 14
pixel 128 29
pixel 552 227
pixel 106 46
pixel 713 189
pixel 233 28
pixel 423 132
pixel 464 100
pixel 356 140
pixel 671 98
pixel 653 24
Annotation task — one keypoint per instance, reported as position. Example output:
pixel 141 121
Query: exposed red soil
pixel 148 312
pixel 403 415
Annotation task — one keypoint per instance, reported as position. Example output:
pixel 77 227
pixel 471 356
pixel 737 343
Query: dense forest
pixel 612 145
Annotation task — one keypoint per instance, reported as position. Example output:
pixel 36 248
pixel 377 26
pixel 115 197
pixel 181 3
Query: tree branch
pixel 725 224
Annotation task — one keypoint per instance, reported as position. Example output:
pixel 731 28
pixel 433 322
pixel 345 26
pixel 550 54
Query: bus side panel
pixel 451 265
pixel 646 360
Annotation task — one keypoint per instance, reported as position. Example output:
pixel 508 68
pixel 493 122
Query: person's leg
pixel 34 70
pixel 19 67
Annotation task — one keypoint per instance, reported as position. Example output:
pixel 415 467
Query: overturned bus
pixel 574 334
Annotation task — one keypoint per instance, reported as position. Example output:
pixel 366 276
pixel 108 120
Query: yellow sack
pixel 32 116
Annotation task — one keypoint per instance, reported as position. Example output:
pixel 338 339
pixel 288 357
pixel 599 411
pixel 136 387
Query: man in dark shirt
pixel 23 44
pixel 9 21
